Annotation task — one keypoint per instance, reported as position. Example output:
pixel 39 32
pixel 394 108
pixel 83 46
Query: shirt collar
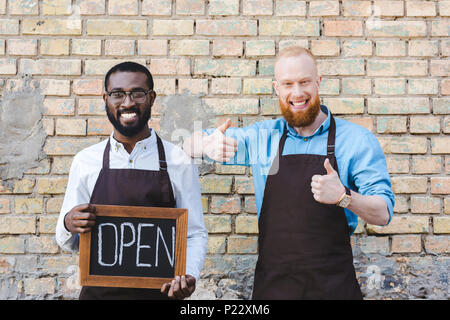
pixel 321 129
pixel 142 144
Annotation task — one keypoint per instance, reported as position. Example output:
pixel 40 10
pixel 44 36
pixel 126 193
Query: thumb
pixel 190 280
pixel 224 126
pixel 328 167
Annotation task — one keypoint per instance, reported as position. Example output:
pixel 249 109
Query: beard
pixel 301 118
pixel 132 130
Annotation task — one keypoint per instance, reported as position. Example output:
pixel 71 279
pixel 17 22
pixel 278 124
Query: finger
pixel 184 286
pixel 165 288
pixel 228 141
pixel 316 178
pixel 226 157
pixel 170 294
pixel 190 280
pixel 177 289
pixel 228 148
pixel 90 208
pixel 316 197
pixel 219 155
pixel 328 166
pixel 315 185
pixel 83 215
pixel 82 207
pixel 224 126
pixel 83 224
pixel 82 229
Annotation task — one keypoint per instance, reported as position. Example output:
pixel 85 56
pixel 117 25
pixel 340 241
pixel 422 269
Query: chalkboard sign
pixel 134 247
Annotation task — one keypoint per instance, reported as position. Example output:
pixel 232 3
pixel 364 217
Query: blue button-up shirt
pixel 361 161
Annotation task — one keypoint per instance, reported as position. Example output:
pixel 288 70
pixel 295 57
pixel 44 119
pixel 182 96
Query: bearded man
pixel 133 167
pixel 313 175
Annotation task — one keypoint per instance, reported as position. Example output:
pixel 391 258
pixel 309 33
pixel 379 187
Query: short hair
pixel 294 51
pixel 129 66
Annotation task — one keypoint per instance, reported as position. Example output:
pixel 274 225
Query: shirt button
pixel 305 139
pixel 131 161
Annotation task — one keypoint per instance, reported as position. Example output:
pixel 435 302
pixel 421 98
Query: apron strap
pixel 330 142
pixel 164 178
pixel 106 155
pixel 282 142
pixel 331 136
pixel 161 153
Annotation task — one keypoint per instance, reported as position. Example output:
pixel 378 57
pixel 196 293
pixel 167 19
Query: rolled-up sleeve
pixel 368 171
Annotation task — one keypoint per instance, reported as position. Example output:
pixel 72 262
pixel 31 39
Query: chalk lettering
pixel 122 244
pixel 139 246
pixel 169 256
pixel 100 228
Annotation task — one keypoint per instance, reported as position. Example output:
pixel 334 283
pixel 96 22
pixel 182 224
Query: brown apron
pixel 304 246
pixel 131 187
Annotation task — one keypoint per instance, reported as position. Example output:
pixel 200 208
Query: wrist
pixel 345 199
pixel 194 145
pixel 64 222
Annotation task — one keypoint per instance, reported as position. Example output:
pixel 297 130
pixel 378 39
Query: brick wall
pixel 385 66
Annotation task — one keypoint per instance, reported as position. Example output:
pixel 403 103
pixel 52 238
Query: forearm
pixel 193 146
pixel 372 209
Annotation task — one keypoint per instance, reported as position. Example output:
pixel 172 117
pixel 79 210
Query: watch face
pixel 345 202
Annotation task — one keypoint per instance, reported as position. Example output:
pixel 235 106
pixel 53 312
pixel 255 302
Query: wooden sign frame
pixel 181 216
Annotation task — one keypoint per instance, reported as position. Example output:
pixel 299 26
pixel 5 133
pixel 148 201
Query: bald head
pixel 291 54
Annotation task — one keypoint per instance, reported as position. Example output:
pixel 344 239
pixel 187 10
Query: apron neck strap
pixel 161 154
pixel 331 137
pixel 106 155
pixel 330 143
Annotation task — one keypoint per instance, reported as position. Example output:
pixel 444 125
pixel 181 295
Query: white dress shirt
pixel 183 175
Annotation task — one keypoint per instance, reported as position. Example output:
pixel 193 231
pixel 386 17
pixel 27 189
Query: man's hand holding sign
pixel 180 287
pixel 122 198
pixel 80 219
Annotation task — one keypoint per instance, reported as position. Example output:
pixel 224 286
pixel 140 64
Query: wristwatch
pixel 345 199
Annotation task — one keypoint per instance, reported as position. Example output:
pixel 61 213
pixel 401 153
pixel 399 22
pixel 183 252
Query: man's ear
pixel 152 95
pixel 319 81
pixel 275 87
pixel 104 96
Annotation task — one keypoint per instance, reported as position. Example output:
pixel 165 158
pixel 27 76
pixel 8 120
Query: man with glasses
pixel 133 167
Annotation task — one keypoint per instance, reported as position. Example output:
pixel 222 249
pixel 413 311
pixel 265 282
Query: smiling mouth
pixel 298 105
pixel 128 116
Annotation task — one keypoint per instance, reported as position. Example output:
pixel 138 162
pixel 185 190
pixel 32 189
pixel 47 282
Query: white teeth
pixel 298 103
pixel 128 115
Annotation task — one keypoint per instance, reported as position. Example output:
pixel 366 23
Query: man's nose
pixel 128 101
pixel 297 90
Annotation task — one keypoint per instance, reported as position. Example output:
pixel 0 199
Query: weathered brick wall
pixel 385 66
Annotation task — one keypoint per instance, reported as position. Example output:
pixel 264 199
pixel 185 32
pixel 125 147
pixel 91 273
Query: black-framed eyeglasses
pixel 136 95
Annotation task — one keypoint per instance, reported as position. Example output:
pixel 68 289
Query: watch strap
pixel 346 193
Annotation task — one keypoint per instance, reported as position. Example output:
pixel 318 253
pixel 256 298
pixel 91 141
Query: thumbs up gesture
pixel 327 188
pixel 219 147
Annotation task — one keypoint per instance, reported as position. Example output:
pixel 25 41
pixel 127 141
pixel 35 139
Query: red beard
pixel 300 118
